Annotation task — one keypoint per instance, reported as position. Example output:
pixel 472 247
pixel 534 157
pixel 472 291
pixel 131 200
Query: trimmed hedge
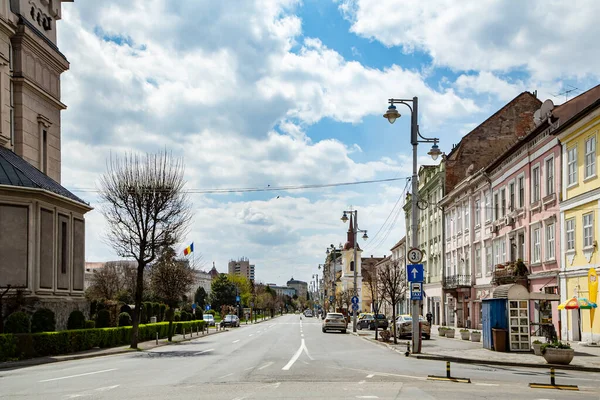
pixel 103 319
pixel 22 346
pixel 124 319
pixel 76 320
pixel 90 324
pixel 18 322
pixel 43 320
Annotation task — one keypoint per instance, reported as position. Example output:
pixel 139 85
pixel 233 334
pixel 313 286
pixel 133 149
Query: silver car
pixel 334 322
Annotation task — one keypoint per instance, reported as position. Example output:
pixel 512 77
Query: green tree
pixel 222 292
pixel 200 297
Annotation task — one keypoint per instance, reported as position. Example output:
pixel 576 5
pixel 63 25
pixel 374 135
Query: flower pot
pixel 558 356
pixel 442 331
pixel 465 335
pixel 475 336
pixel 537 349
pixel 449 333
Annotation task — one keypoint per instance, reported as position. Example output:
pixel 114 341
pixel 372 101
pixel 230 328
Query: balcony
pixel 511 273
pixel 456 281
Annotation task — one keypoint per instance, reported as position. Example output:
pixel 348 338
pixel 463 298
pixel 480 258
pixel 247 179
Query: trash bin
pixel 499 337
pixel 152 320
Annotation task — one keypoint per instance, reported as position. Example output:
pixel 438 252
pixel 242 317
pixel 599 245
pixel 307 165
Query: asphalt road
pixel 286 358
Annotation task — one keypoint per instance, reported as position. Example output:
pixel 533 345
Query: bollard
pixel 553 384
pixel 184 333
pixel 156 337
pixel 407 349
pixel 448 376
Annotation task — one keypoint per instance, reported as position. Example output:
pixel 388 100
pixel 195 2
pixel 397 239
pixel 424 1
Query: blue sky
pixel 291 92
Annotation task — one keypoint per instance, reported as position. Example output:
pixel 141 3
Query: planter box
pixel 537 349
pixel 559 356
pixel 449 333
pixel 442 332
pixel 475 337
pixel 465 335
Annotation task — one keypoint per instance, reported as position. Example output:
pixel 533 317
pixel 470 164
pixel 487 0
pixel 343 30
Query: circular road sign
pixel 414 255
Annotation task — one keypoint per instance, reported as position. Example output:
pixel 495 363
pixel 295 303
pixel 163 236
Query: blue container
pixel 494 315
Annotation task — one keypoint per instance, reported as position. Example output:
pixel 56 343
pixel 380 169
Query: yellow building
pixel 577 125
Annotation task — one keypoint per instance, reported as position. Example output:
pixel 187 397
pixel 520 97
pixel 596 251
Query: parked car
pixel 209 319
pixel 404 326
pixel 231 320
pixel 364 321
pixel 334 321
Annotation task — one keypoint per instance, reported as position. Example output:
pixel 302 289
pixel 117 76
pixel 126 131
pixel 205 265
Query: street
pixel 283 358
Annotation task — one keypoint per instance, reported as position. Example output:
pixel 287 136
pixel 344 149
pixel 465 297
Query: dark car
pixel 369 321
pixel 231 320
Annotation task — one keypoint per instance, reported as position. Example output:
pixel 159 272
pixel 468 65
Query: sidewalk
pixel 465 351
pixel 143 346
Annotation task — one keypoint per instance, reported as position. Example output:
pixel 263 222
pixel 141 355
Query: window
pixel 535 184
pixel 570 237
pixel 467 221
pixel 572 166
pixel 550 250
pixel 488 258
pixel 535 245
pixel 448 264
pixel 44 151
pixel 488 207
pixel 467 267
pixel 588 230
pixel 496 214
pixel 63 248
pixel 478 260
pixel 590 157
pixel 448 233
pixel 459 220
pixel 503 202
pixel 549 176
pixel 521 183
pixel 503 251
pixel 351 265
pixel 511 196
pixel 497 259
pixel 477 213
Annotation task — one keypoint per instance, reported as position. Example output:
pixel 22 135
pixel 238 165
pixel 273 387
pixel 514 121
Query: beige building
pixel 42 228
pixel 241 267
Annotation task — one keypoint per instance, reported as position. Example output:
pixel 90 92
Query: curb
pixel 460 360
pixel 50 360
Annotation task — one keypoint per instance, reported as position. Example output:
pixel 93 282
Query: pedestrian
pixel 429 317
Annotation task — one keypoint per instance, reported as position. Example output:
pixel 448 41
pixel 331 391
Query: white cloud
pixel 549 39
pixel 487 82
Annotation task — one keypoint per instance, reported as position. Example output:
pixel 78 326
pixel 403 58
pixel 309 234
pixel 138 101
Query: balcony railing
pixel 510 273
pixel 456 281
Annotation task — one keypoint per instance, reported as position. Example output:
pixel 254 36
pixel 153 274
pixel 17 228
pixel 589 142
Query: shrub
pixel 162 312
pixel 8 347
pixel 211 312
pixel 147 310
pixel 18 322
pixel 537 342
pixel 124 319
pixel 156 311
pixel 76 320
pixel 177 316
pixel 103 319
pixel 125 309
pixel 464 330
pixel 557 344
pixel 43 320
pixel 90 324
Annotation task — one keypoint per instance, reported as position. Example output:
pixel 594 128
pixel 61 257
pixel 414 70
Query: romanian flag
pixel 189 249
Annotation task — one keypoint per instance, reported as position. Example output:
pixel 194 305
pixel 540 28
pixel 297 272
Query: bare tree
pixel 392 287
pixel 112 279
pixel 170 280
pixel 370 277
pixel 146 210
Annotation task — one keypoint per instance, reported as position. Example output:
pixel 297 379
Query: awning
pixel 544 296
pixel 512 291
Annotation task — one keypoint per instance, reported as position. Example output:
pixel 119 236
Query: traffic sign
pixel 237 298
pixel 207 307
pixel 193 306
pixel 416 291
pixel 354 299
pixel 414 255
pixel 354 307
pixel 414 272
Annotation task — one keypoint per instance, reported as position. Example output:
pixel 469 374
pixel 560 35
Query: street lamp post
pixel 365 237
pixel 392 115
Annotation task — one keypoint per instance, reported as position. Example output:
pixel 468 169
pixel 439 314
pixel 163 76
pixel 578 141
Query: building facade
pixel 241 267
pixel 577 127
pixel 42 226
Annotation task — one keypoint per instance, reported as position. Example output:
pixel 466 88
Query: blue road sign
pixel 414 272
pixel 193 306
pixel 354 307
pixel 237 298
pixel 354 299
pixel 416 291
pixel 207 307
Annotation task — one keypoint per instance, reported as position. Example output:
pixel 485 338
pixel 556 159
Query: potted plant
pixel 442 330
pixel 464 334
pixel 475 336
pixel 385 335
pixel 449 332
pixel 557 352
pixel 537 347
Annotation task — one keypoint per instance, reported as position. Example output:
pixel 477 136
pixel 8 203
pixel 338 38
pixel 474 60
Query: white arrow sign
pixel 414 273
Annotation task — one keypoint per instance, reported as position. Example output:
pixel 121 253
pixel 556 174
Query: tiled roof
pixel 14 171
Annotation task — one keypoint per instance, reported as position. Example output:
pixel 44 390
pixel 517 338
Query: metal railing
pixel 456 281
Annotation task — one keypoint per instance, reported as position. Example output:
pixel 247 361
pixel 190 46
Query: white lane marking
pixel 225 376
pixel 373 373
pixel 370 375
pixel 235 341
pixel 78 375
pixel 267 365
pixel 296 356
pixel 248 369
pixel 487 384
pixel 203 351
pixel 367 397
pixel 302 335
pixel 361 382
pixel 104 389
pixel 252 334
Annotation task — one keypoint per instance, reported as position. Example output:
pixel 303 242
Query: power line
pixel 264 189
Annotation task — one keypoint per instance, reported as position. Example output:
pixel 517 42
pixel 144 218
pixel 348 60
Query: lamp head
pixel 365 237
pixel 344 217
pixel 391 114
pixel 434 152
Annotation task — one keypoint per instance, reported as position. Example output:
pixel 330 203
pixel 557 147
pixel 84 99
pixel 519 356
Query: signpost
pixel 414 272
pixel 354 307
pixel 416 291
pixel 355 300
